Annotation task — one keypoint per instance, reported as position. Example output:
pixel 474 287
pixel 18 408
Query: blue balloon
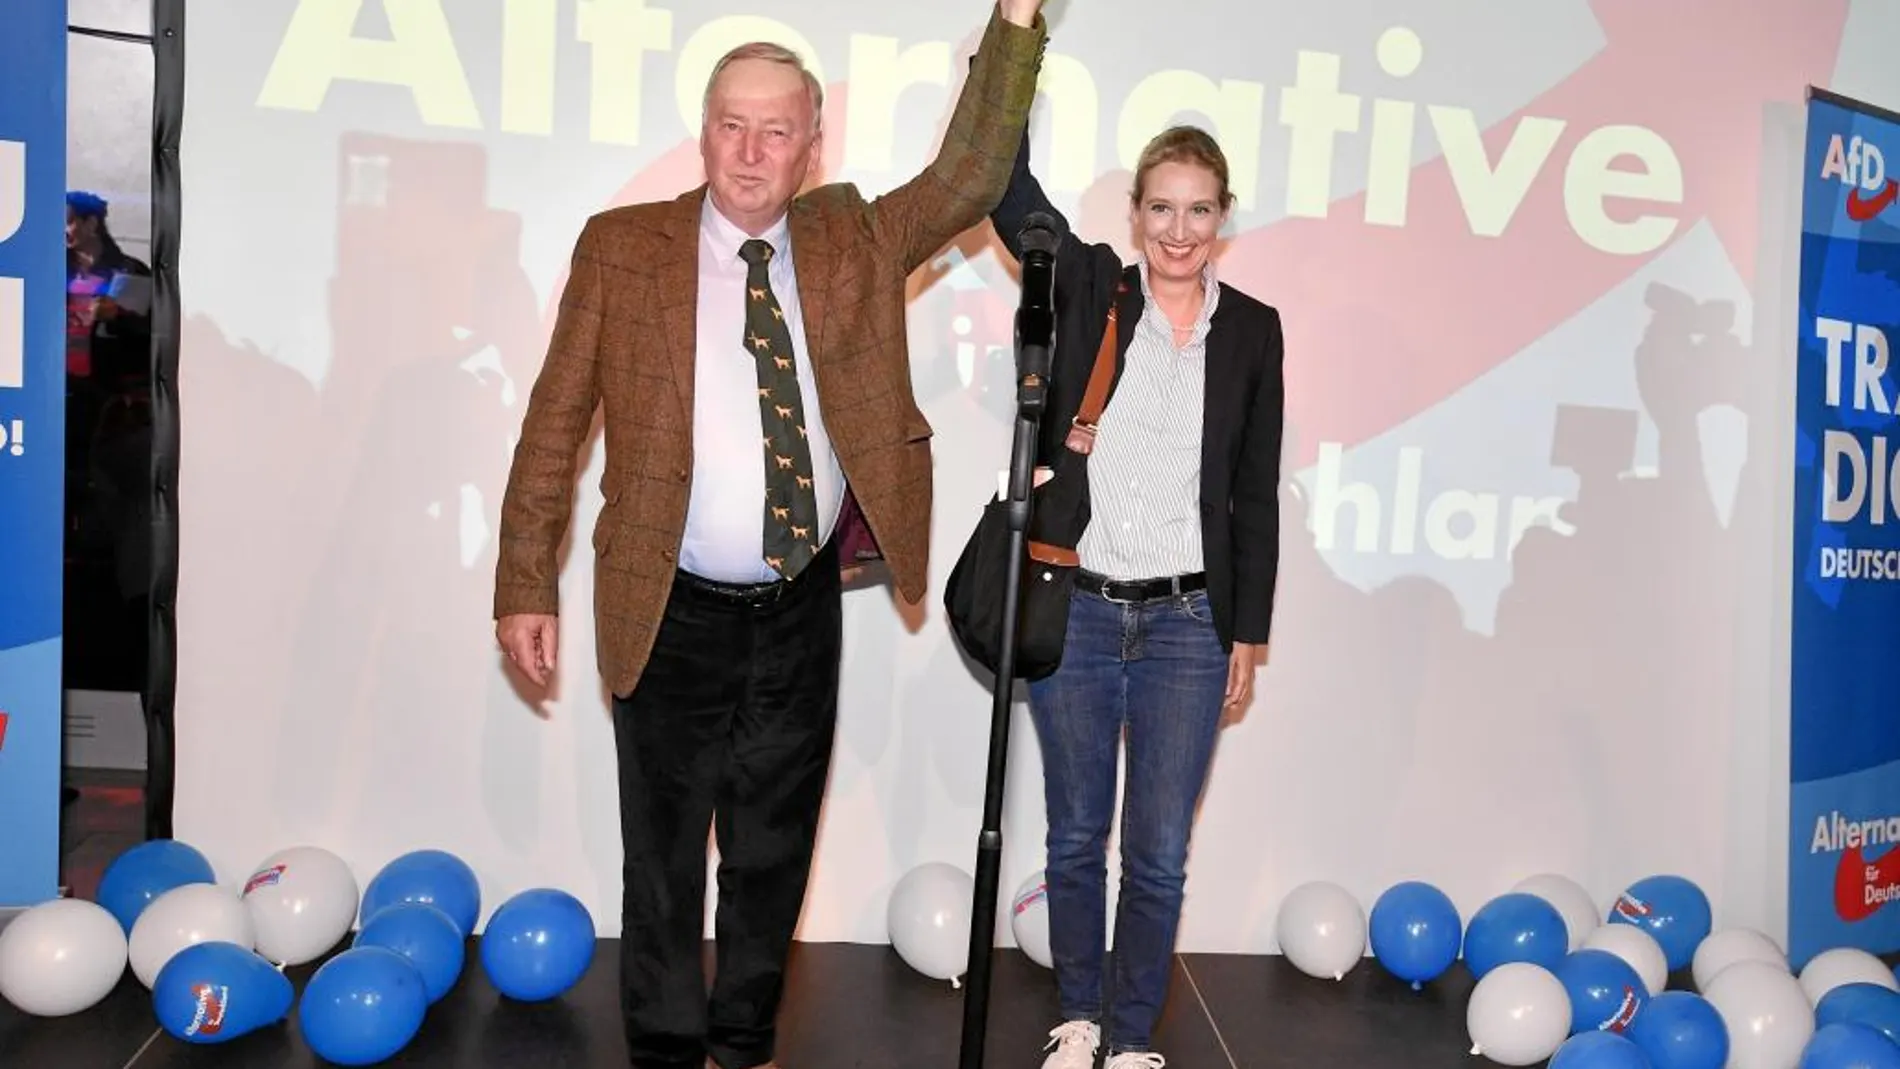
pixel 362 1006
pixel 1869 1004
pixel 146 871
pixel 215 992
pixel 1415 931
pixel 1515 927
pixel 1846 1045
pixel 537 945
pixel 1670 908
pixel 1681 1030
pixel 436 877
pixel 423 934
pixel 1599 1050
pixel 1605 992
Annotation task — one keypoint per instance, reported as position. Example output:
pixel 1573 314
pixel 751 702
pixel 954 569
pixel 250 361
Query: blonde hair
pixel 771 53
pixel 1183 144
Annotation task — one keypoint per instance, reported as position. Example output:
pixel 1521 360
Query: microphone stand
pixel 1035 340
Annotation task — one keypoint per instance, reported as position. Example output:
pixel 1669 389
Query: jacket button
pixel 666 554
pixel 683 475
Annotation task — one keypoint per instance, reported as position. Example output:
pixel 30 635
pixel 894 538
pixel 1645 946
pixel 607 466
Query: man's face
pixel 760 141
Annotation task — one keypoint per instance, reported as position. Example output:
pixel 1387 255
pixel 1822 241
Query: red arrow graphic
pixel 1856 875
pixel 1383 323
pixel 1860 209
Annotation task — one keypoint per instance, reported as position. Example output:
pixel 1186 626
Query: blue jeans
pixel 1156 670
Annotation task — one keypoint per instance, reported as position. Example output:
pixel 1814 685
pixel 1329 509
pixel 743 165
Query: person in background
pixel 108 455
pixel 746 345
pixel 108 313
pixel 1173 597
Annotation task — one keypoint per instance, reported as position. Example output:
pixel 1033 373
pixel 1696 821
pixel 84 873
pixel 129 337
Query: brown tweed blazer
pixel 623 341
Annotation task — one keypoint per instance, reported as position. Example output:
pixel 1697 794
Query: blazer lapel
pixel 676 276
pixel 1224 387
pixel 812 265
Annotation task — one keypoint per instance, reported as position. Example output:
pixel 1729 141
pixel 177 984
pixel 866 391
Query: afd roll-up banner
pixel 1844 868
pixel 32 440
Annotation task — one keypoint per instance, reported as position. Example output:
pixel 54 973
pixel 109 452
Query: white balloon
pixel 1843 965
pixel 1636 946
pixel 1029 920
pixel 302 902
pixel 186 916
pixel 1519 1014
pixel 1322 930
pixel 929 919
pixel 1569 899
pixel 1768 1016
pixel 61 957
pixel 1731 946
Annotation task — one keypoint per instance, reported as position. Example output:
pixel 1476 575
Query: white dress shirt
pixel 1145 473
pixel 725 519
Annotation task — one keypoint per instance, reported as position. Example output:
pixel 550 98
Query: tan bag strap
pixel 1057 555
pixel 1081 437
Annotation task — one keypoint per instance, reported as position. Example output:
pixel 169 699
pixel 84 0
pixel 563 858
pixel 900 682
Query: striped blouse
pixel 1145 471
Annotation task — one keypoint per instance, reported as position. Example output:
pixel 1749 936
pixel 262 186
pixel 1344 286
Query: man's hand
pixel 1240 672
pixel 529 641
pixel 1020 12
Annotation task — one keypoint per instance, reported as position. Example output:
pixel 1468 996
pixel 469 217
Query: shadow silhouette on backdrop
pixel 369 509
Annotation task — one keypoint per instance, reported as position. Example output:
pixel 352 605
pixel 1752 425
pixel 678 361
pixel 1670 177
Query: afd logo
pixel 12 290
pixel 1859 165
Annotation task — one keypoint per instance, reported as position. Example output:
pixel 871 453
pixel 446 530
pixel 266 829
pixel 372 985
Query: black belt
pixel 1172 586
pixel 764 593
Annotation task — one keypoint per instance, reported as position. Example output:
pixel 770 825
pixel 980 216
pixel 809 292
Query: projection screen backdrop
pixel 1534 262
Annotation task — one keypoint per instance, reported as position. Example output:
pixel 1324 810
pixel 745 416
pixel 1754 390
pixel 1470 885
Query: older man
pixel 748 346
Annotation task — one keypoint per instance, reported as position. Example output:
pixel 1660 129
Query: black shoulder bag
pixel 973 596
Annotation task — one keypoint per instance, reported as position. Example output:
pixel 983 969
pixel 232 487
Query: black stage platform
pixel 849 1006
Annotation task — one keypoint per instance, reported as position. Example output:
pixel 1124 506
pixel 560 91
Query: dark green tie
pixel 791 504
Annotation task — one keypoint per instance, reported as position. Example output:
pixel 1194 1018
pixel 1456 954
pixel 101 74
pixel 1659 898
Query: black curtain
pixel 161 685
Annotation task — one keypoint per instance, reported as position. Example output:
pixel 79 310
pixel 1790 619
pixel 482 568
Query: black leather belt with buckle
pixel 1129 590
pixel 740 593
pixel 767 592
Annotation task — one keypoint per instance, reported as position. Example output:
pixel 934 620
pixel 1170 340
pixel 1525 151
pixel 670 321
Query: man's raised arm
pixel 958 189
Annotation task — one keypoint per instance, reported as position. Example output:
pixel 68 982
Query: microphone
pixel 1036 316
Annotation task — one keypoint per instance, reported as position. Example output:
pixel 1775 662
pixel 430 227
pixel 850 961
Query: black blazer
pixel 1245 406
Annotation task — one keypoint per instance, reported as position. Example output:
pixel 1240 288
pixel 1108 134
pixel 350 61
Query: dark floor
pixel 847 1006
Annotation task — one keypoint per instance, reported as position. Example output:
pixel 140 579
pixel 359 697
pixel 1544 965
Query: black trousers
pixel 730 725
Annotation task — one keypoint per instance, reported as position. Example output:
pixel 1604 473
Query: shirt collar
pixel 726 237
pixel 1210 280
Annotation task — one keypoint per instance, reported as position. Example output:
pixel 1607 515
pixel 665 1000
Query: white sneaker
pixel 1136 1059
pixel 1075 1044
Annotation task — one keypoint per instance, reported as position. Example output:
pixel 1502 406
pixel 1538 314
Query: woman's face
pixel 80 230
pixel 1178 218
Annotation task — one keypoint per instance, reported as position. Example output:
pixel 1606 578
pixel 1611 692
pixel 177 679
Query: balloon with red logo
pixel 1605 992
pixel 301 903
pixel 1671 909
pixel 215 992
